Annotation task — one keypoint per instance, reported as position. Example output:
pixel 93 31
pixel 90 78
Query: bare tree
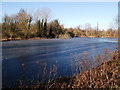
pixel 42 16
pixel 87 27
pixel 23 22
pixel 114 24
pixel 43 13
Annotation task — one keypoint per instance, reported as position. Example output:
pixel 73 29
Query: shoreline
pixel 68 82
pixel 5 40
pixel 105 75
pixel 38 38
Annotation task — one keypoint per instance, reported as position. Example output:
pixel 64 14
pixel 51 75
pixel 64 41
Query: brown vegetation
pixel 24 25
pixel 102 75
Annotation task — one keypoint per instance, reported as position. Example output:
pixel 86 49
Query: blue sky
pixel 71 14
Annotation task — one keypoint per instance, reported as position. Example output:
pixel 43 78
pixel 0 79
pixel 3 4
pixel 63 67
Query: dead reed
pixel 101 71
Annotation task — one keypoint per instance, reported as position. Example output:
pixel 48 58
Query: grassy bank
pixel 105 75
pixel 102 75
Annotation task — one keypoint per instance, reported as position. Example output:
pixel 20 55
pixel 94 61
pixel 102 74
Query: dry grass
pixel 94 73
pixel 104 76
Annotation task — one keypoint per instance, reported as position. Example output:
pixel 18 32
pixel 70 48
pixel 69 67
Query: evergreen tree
pixel 45 28
pixel 39 29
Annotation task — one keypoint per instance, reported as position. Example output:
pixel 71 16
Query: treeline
pixel 109 33
pixel 23 25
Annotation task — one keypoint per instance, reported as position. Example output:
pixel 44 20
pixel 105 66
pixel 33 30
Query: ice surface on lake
pixel 34 53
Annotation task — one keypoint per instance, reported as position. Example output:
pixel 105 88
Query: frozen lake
pixel 26 59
